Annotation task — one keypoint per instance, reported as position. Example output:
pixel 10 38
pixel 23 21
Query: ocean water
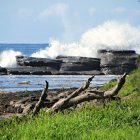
pixel 12 83
pixel 26 49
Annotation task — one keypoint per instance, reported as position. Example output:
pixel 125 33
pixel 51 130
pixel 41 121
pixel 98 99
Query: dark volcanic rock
pixel 117 61
pixel 3 71
pixel 38 62
pixel 75 63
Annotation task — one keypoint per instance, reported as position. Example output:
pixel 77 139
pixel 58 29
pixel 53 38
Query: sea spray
pixel 8 58
pixel 110 35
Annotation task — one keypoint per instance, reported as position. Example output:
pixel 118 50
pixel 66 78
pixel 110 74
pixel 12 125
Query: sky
pixel 38 21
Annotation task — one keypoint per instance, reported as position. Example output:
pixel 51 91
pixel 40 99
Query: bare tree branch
pixel 41 99
pixel 60 105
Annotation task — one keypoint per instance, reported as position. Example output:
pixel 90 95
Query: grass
pixel 132 84
pixel 117 120
pixel 138 61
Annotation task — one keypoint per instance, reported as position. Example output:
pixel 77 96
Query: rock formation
pixel 108 62
pixel 62 65
pixel 38 62
pixel 75 63
pixel 117 61
pixel 3 71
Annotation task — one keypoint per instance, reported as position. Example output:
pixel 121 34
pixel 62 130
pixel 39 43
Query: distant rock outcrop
pixel 62 65
pixel 3 71
pixel 38 62
pixel 117 61
pixel 75 63
pixel 108 62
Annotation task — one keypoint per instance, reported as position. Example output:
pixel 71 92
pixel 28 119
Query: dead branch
pixel 75 98
pixel 62 103
pixel 41 99
pixel 91 95
pixel 117 88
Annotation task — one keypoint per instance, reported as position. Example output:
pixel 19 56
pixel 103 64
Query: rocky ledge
pixel 62 65
pixel 108 62
pixel 117 61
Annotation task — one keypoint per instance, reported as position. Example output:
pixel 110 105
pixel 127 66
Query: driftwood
pixel 79 96
pixel 41 99
pixel 62 103
pixel 91 95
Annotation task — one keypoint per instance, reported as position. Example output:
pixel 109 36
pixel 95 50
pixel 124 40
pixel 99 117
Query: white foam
pixel 110 35
pixel 8 59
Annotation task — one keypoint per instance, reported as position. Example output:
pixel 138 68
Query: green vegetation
pixel 138 61
pixel 131 87
pixel 117 120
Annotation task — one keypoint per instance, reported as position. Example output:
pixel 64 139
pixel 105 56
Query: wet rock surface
pixel 117 61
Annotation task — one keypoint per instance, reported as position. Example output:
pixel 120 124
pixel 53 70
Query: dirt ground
pixel 6 98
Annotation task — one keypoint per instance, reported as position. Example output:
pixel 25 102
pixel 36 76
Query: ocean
pixel 12 83
pixel 26 49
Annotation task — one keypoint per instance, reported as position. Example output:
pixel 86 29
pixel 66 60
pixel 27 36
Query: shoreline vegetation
pixel 108 119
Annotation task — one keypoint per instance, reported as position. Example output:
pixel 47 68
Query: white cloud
pixel 58 9
pixel 92 11
pixel 119 10
pixel 24 13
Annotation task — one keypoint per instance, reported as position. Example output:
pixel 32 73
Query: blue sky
pixel 36 21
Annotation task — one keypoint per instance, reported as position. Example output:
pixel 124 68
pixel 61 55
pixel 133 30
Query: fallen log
pixel 75 98
pixel 79 96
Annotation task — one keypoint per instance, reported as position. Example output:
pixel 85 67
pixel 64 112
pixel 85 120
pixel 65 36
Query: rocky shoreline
pixel 107 62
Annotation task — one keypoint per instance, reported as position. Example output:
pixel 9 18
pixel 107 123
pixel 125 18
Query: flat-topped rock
pixel 77 59
pixel 117 51
pixel 117 61
pixel 76 63
pixel 38 62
